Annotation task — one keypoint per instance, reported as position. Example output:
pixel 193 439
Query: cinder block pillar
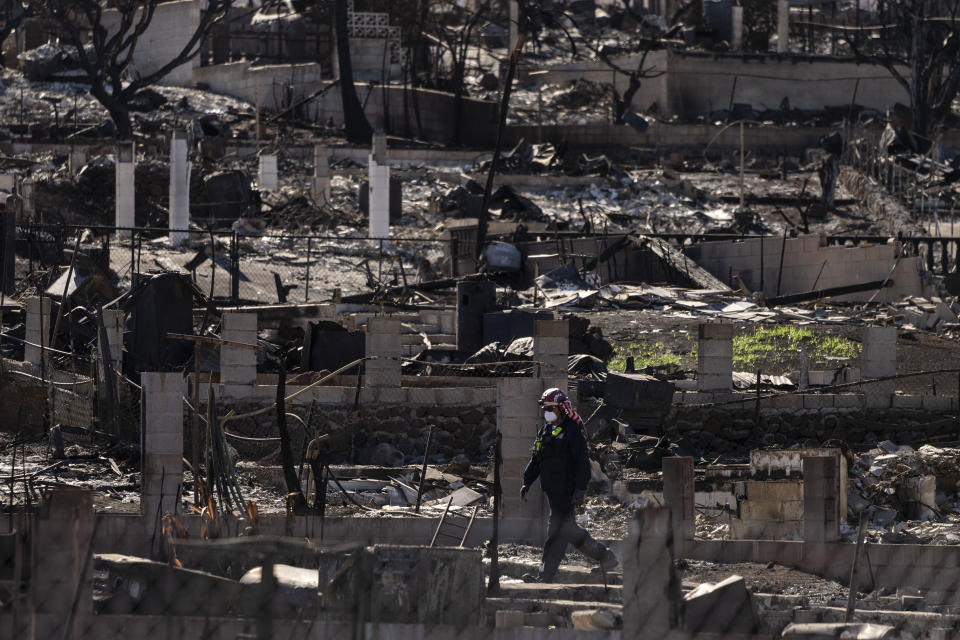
pixel 379 180
pixel 113 322
pixel 821 508
pixel 514 24
pixel 879 359
pixel 239 366
pixel 651 588
pixel 125 191
pixel 783 26
pixel 518 420
pixel 715 357
pixel 736 15
pixel 551 346
pixel 179 188
pixel 61 542
pixel 268 172
pixel 162 471
pixel 28 198
pixel 37 330
pixel 320 186
pixel 8 245
pixel 383 340
pixel 678 494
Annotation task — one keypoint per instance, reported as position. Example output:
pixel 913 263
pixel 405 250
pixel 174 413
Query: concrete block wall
pixel 320 183
pixel 518 420
pixel 170 29
pixel 879 359
pixel 37 330
pixel 239 366
pixel 715 357
pixel 162 446
pixel 383 340
pixel 768 510
pixel 808 265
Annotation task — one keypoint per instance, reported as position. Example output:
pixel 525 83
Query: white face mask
pixel 549 416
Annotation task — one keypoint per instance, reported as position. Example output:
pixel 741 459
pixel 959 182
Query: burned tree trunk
pixel 355 121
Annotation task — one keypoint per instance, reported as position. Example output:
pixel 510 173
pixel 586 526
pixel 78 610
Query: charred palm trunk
pixel 355 121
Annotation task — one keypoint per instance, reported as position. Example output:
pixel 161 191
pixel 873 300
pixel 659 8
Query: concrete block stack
pixel 379 179
pixel 678 494
pixel 821 506
pixel 162 445
pixel 268 176
pixel 239 366
pixel 715 357
pixel 179 188
pixel 320 184
pixel 383 341
pixel 551 346
pixel 37 330
pixel 518 420
pixel 879 359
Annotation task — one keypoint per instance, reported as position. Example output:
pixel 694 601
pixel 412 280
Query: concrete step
pixel 566 574
pixel 565 591
pixel 550 612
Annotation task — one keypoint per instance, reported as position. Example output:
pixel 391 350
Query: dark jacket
pixel 561 462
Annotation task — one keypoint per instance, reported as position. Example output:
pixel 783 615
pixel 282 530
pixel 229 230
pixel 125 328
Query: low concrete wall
pixel 807 265
pixel 407 112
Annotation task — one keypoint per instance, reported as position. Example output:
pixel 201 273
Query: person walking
pixel 561 462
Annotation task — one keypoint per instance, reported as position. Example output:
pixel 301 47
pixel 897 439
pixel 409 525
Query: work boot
pixel 609 561
pixel 529 577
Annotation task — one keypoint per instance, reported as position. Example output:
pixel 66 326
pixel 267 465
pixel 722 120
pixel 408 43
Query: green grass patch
pixel 779 343
pixel 651 353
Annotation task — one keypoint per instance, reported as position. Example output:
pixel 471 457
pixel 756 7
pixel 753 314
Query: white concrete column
pixel 162 470
pixel 268 177
pixel 125 191
pixel 37 330
pixel 113 322
pixel 518 420
pixel 783 26
pixel 379 189
pixel 878 360
pixel 320 185
pixel 551 345
pixel 736 21
pixel 179 188
pixel 239 366
pixel 715 357
pixel 383 340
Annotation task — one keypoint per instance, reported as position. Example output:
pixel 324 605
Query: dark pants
pixel 563 530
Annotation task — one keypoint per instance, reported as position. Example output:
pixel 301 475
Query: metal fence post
pixel 235 269
pixel 306 288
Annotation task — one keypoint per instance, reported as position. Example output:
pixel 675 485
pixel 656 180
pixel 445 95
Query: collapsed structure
pixel 260 381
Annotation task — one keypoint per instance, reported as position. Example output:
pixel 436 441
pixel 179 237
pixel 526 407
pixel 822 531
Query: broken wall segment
pixel 821 504
pixel 384 346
